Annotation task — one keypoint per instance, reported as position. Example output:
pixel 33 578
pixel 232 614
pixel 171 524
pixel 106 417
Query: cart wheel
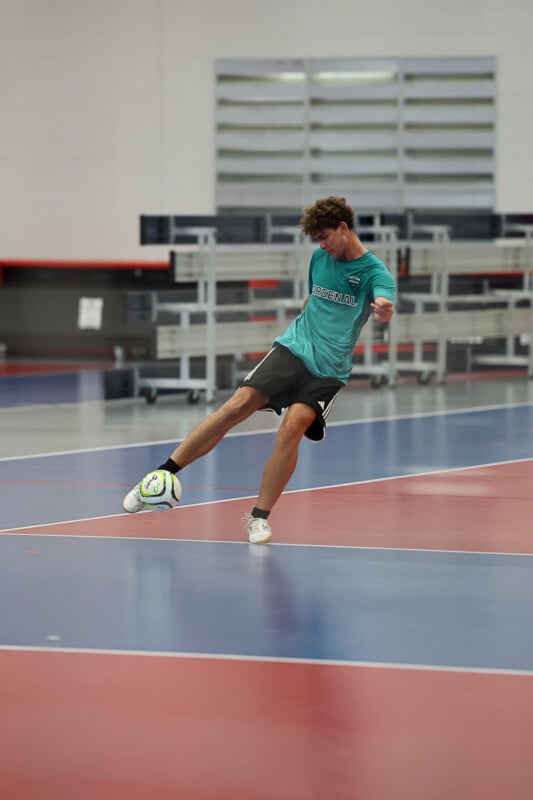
pixel 377 381
pixel 151 396
pixel 193 397
pixel 424 378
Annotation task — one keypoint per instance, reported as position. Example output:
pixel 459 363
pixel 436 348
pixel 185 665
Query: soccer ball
pixel 160 490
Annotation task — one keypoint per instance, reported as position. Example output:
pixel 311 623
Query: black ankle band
pixel 260 512
pixel 170 466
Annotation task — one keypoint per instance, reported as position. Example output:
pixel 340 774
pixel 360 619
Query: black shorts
pixel 286 380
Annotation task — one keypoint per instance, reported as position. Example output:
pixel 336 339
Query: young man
pixel 307 365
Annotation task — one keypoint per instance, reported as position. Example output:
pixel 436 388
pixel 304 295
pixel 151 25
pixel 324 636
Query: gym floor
pixel 378 648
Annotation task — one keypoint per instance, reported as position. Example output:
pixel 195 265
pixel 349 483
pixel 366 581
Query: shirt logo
pixel 335 297
pixel 354 281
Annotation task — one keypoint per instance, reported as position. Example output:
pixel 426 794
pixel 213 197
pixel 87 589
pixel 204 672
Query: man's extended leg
pixel 206 435
pixel 213 428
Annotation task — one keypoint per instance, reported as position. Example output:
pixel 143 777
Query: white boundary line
pixel 244 543
pixel 291 491
pixel 270 659
pixel 419 415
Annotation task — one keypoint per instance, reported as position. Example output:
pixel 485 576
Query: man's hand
pixel 382 309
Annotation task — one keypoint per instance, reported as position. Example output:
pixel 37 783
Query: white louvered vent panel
pixel 388 134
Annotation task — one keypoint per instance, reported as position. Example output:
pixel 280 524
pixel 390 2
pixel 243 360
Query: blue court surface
pixel 70 387
pixel 379 648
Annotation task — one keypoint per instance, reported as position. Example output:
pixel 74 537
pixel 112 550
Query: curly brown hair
pixel 328 212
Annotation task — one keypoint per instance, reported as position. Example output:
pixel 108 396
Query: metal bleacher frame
pixel 205 329
pixel 468 319
pixel 202 329
pixel 205 280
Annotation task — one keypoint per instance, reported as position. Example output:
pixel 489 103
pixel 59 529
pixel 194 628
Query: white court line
pixel 295 545
pixel 418 415
pixel 105 448
pixel 328 662
pixel 251 497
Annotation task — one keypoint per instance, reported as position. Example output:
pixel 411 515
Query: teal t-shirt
pixel 340 293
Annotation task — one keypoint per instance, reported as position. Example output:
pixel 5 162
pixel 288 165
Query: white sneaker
pixel 132 502
pixel 259 531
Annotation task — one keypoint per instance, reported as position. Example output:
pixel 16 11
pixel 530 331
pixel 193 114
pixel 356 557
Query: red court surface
pixel 378 649
pixel 105 726
pixel 485 509
pixel 12 368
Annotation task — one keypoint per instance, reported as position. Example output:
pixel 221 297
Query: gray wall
pixel 43 322
pixel 107 106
